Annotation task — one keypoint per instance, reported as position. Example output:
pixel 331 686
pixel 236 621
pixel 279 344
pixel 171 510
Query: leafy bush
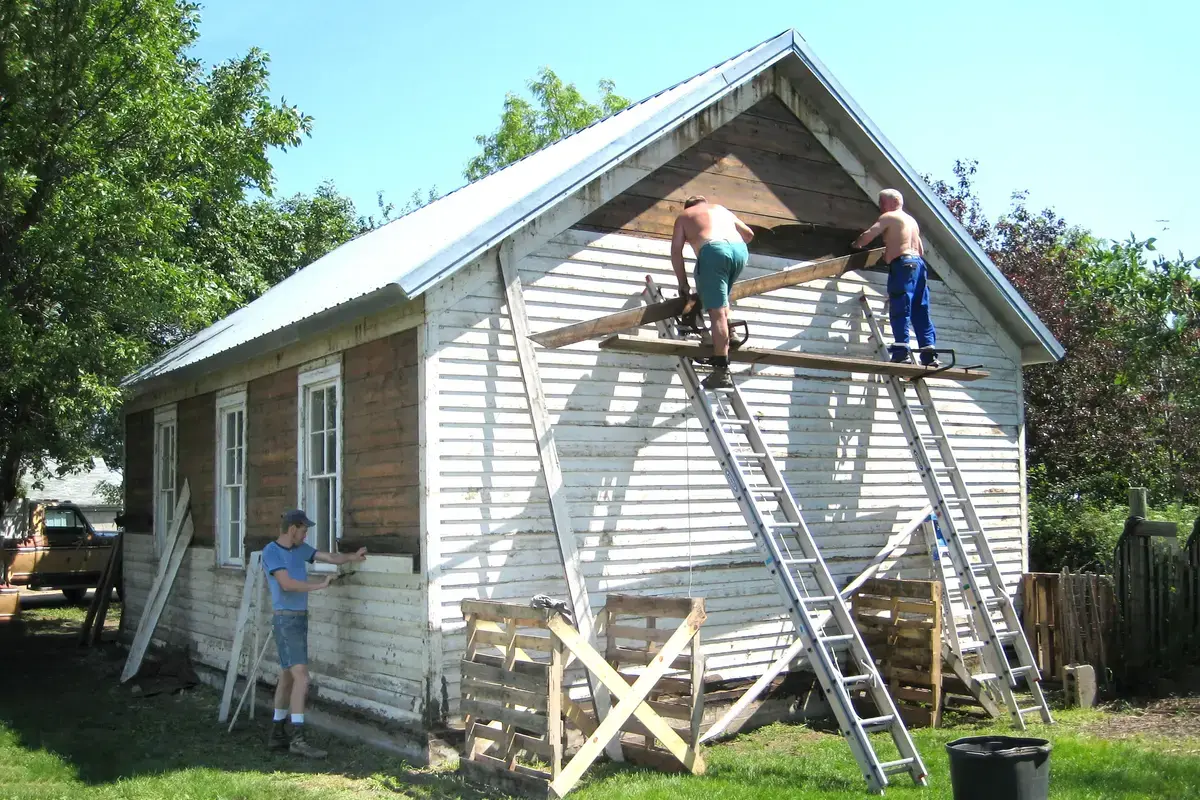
pixel 1081 534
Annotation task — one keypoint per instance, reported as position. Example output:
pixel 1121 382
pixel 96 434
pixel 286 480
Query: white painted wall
pixel 366 632
pixel 651 511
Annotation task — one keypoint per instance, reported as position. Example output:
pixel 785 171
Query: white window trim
pixel 231 399
pixel 321 372
pixel 163 416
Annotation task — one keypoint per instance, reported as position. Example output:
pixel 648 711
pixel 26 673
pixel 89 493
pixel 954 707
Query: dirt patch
pixel 1175 719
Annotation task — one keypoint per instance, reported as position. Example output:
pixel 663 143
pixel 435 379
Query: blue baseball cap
pixel 297 517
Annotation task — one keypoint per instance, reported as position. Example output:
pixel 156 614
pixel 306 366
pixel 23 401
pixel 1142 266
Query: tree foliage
pixel 1123 407
pixel 123 166
pixel 556 111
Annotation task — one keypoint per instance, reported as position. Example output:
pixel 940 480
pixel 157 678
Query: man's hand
pixel 324 582
pixel 361 555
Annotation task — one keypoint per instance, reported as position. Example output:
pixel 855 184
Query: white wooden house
pixel 393 357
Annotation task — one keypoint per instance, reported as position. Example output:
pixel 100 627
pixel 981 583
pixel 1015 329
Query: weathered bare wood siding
pixel 139 470
pixel 381 472
pixel 270 455
pixel 652 512
pixel 196 449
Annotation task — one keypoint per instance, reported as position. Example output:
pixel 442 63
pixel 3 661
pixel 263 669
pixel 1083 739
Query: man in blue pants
pixel 908 291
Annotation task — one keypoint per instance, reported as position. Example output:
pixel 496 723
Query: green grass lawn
pixel 69 730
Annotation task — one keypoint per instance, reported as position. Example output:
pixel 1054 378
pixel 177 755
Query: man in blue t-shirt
pixel 286 561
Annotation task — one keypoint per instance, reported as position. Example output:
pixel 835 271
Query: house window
pixel 231 477
pixel 164 473
pixel 319 453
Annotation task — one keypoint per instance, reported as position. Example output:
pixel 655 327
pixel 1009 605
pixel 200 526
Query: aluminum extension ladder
pixel 821 616
pixel 961 552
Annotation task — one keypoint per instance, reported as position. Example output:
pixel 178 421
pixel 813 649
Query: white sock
pixel 297 719
pixel 280 714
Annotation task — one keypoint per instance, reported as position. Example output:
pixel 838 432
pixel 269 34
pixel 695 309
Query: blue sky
pixel 1092 107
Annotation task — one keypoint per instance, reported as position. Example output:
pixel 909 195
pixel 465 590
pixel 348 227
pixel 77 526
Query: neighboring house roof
pixel 81 488
pixel 409 255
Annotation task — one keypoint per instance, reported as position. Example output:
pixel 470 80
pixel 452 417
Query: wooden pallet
pixel 634 634
pixel 901 623
pixel 512 698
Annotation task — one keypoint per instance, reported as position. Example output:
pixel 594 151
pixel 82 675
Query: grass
pixel 68 729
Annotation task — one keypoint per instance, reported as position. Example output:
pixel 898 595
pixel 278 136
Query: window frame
pixel 319 377
pixel 229 401
pixel 165 417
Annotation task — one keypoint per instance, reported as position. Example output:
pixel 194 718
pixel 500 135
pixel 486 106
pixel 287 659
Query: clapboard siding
pixel 651 510
pixel 380 445
pixel 366 633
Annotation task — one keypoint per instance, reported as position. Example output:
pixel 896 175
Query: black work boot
pixel 278 740
pixel 900 354
pixel 719 378
pixel 300 747
pixel 929 358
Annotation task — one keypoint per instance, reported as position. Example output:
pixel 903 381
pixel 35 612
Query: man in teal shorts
pixel 718 238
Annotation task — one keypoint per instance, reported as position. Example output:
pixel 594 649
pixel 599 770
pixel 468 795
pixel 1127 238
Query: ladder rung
pixel 800 561
pixel 851 680
pixel 765 489
pixel 878 723
pixel 1019 670
pixel 755 456
pixel 1007 636
pixel 727 421
pixel 815 599
pixel 985 676
pixel 900 765
pixel 980 569
pixel 837 638
pixel 1030 710
pixel 967 645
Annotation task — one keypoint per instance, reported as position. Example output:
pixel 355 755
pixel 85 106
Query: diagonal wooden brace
pixel 632 700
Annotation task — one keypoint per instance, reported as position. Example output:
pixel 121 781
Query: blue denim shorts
pixel 291 638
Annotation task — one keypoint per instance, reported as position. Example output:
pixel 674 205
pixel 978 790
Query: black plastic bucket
pixel 999 768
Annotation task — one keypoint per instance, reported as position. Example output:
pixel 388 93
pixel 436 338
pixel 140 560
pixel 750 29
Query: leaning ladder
pixel 967 557
pixel 820 614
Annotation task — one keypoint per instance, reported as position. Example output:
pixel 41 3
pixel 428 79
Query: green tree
pixel 123 167
pixel 556 111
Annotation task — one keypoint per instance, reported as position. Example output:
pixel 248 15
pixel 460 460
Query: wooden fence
pixel 1069 618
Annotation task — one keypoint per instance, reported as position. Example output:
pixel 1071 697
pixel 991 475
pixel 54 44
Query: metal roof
pixel 404 258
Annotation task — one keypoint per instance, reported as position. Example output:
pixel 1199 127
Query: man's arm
pixel 341 558
pixel 290 584
pixel 870 233
pixel 677 240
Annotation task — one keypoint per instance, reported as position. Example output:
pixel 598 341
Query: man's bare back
pixel 707 222
pixel 901 234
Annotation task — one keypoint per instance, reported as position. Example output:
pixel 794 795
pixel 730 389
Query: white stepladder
pixel 822 619
pixel 961 551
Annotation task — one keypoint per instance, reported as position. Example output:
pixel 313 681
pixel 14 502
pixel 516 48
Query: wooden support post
pixel 249 596
pixel 93 623
pixel 1139 506
pixel 585 617
pixel 173 552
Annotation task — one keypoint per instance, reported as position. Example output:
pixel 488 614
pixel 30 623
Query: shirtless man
pixel 907 288
pixel 718 239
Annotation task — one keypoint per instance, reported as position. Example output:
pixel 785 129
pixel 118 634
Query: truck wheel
pixel 74 596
